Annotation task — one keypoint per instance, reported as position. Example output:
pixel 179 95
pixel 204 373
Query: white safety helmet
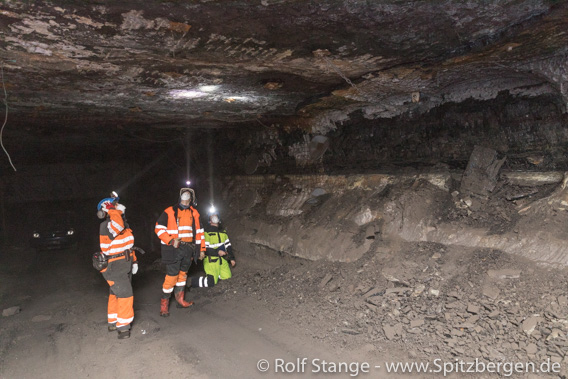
pixel 187 194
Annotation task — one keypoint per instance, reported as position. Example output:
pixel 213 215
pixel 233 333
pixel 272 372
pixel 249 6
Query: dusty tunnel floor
pixel 403 302
pixel 393 175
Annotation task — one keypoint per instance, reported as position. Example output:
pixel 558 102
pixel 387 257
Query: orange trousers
pixel 121 298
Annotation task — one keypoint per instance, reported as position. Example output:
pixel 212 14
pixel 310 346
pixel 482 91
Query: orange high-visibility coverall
pixel 116 241
pixel 177 222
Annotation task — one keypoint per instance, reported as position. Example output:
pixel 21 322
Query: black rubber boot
pixel 202 281
pixel 123 334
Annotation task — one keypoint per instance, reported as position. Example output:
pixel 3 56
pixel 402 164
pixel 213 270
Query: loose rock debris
pixel 11 311
pixel 463 304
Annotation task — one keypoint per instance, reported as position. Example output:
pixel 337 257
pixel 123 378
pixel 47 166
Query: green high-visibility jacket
pixel 216 239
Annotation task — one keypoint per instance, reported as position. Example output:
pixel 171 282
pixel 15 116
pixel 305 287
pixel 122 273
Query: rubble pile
pixel 499 212
pixel 428 299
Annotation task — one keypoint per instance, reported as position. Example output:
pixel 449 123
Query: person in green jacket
pixel 219 257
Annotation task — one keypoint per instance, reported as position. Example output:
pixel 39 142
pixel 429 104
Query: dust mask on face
pixel 214 219
pixel 185 196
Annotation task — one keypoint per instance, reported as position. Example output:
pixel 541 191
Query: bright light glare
pixel 232 98
pixel 186 94
pixel 212 209
pixel 209 88
pixel 188 182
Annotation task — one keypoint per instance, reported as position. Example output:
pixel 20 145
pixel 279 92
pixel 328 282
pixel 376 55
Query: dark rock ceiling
pixel 84 69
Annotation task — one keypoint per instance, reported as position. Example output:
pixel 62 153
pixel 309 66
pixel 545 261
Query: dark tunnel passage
pixel 389 177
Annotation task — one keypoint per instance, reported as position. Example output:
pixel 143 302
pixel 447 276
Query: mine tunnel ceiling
pixel 87 67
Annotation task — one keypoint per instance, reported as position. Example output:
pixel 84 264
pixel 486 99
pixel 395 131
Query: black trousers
pixel 177 261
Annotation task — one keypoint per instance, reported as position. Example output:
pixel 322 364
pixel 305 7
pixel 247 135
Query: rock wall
pixel 531 132
pixel 536 229
pixel 340 218
pixel 315 217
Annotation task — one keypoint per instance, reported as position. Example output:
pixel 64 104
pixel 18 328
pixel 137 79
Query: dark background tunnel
pixel 392 176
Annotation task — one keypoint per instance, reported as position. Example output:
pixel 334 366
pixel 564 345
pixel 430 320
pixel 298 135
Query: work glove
pixel 175 242
pixel 121 208
pixel 134 268
pixel 107 205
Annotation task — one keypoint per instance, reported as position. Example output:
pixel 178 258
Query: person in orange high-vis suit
pixel 182 242
pixel 116 242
